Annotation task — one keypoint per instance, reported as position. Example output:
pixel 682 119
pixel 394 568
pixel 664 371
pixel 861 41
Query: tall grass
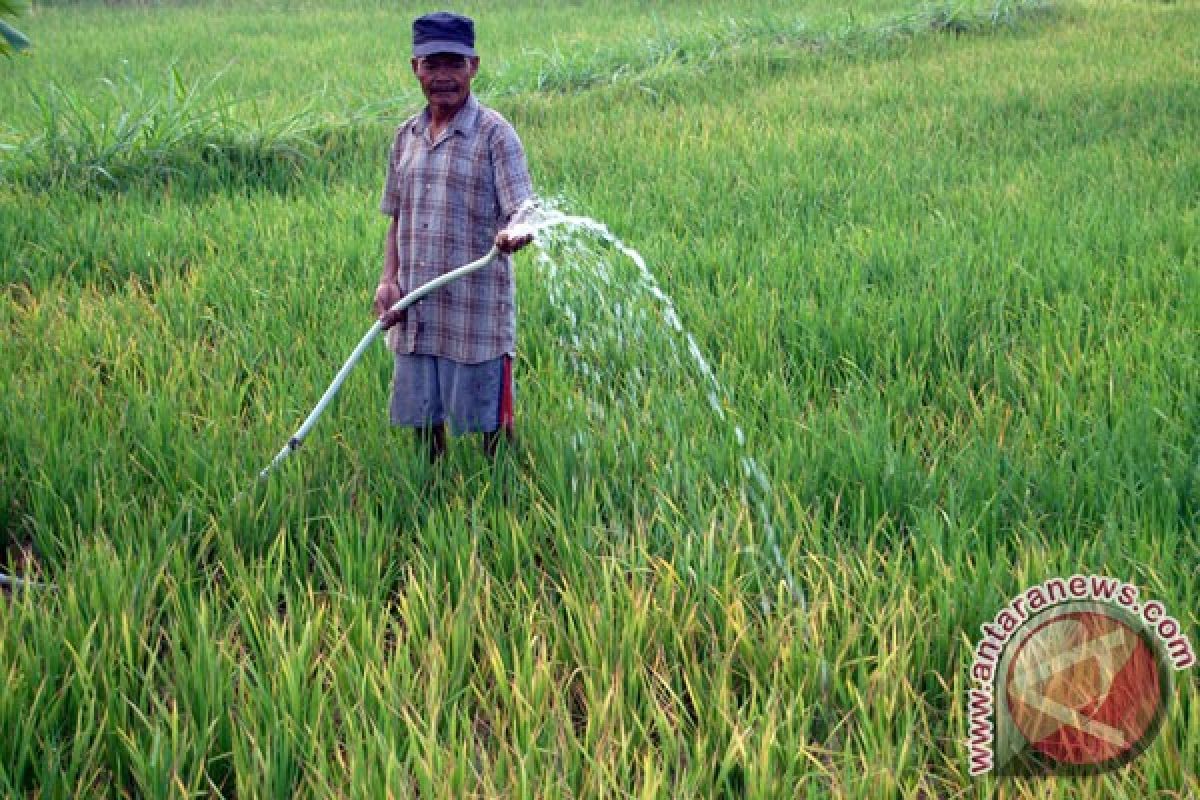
pixel 150 135
pixel 949 285
pixel 148 132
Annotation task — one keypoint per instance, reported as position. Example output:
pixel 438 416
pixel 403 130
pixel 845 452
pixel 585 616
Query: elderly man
pixel 456 179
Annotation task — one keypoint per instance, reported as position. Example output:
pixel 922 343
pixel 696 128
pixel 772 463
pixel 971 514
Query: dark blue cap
pixel 443 32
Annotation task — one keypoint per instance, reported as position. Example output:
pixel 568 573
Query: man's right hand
pixel 387 294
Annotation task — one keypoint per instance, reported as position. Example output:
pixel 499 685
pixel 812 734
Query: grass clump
pixel 152 134
pixel 949 288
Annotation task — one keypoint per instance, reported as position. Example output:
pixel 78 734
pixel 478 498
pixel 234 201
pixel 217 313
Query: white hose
pixel 13 582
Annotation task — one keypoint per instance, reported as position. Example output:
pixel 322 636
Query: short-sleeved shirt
pixel 450 198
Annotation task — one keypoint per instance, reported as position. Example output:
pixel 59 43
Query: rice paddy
pixel 940 260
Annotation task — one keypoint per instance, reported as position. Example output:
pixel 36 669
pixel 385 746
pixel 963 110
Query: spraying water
pixel 598 290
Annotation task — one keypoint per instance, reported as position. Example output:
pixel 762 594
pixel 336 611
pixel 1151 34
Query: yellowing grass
pixel 947 284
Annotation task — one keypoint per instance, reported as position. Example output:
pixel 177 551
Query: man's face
pixel 445 78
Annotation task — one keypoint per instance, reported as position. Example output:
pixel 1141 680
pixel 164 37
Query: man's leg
pixel 416 403
pixel 433 439
pixel 491 440
pixel 478 399
pixel 504 417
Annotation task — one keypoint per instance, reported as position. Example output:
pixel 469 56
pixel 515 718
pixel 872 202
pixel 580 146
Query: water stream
pixel 583 279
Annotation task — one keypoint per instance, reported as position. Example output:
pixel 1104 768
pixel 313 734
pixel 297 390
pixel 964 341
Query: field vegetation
pixel 942 259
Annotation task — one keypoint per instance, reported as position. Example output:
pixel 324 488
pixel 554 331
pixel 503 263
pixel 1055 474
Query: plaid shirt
pixel 450 199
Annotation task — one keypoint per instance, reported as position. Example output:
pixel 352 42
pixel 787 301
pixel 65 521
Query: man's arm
pixel 514 187
pixel 388 292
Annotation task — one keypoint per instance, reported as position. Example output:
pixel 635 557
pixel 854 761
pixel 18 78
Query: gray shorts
pixel 429 390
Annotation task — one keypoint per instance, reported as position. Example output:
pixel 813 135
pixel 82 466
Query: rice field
pixel 941 259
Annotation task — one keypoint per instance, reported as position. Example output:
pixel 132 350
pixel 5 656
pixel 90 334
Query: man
pixel 456 178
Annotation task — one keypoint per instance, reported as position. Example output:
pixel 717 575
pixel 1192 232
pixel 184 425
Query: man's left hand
pixel 512 240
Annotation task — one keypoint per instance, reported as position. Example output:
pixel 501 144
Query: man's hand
pixel 387 294
pixel 510 240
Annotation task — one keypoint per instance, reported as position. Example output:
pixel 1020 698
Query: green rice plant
pixel 945 285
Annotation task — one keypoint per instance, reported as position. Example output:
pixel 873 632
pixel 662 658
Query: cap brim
pixel 431 48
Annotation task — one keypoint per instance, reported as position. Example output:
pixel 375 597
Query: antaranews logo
pixel 1074 675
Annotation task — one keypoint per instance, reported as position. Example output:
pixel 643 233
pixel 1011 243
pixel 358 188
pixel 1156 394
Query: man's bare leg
pixel 491 440
pixel 434 440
